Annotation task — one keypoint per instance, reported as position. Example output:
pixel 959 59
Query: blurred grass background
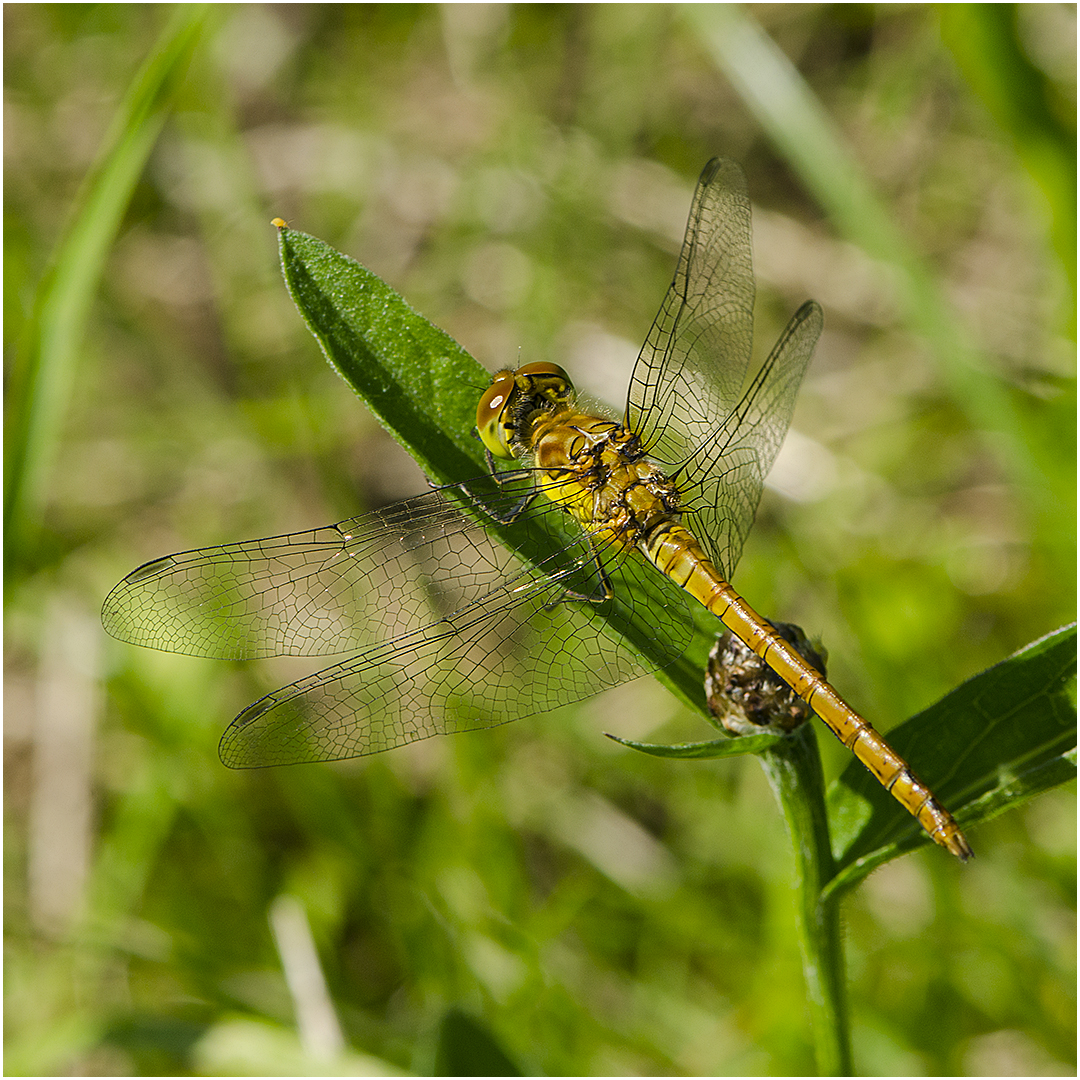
pixel 522 175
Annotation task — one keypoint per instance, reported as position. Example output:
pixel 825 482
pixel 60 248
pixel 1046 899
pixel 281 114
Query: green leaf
pixel 417 380
pixel 713 748
pixel 992 743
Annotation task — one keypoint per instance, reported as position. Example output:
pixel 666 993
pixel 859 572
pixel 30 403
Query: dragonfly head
pixel 512 399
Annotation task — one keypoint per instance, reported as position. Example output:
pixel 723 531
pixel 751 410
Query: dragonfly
pixel 618 527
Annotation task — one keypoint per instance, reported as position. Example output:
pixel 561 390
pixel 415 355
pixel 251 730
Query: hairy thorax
pixel 597 470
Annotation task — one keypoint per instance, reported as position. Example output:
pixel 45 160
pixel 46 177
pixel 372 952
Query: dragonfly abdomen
pixel 676 553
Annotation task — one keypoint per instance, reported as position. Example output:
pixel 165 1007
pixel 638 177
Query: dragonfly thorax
pixel 515 400
pixel 595 468
pixel 598 472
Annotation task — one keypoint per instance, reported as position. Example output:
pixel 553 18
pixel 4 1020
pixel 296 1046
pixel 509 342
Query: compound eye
pixel 554 379
pixel 490 412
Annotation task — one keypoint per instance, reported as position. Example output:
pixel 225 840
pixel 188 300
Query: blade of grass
pixel 795 120
pixel 42 380
pixel 984 41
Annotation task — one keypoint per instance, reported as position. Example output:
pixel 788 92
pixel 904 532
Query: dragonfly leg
pixel 605 581
pixel 506 517
pixel 604 591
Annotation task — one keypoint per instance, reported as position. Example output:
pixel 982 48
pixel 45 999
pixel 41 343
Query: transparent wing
pixel 451 631
pixel 692 366
pixel 524 647
pixel 720 484
pixel 687 400
pixel 336 589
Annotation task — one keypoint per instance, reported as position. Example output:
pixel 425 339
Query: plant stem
pixel 794 771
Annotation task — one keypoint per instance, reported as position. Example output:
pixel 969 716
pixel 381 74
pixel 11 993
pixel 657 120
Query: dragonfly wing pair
pixel 449 632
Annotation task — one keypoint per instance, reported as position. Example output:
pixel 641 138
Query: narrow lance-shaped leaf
pixel 713 748
pixel 993 742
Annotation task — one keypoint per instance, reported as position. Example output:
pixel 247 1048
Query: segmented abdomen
pixel 676 553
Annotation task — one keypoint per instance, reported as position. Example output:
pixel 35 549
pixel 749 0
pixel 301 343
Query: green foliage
pixel 994 742
pixel 521 174
pixel 466 1048
pixel 998 740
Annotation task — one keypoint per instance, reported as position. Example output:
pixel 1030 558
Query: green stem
pixel 794 770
